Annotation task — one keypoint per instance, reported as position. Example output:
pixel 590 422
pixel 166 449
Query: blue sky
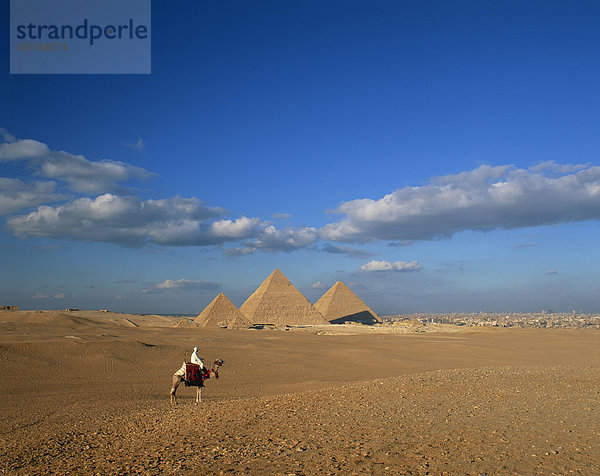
pixel 435 156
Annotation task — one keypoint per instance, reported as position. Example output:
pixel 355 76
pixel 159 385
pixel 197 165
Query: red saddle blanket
pixel 194 375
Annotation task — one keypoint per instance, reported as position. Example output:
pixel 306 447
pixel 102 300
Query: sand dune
pixel 86 392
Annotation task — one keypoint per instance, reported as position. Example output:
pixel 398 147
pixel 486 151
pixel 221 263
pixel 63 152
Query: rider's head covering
pixel 195 349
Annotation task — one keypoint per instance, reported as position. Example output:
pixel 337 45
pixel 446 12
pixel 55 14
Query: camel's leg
pixel 198 395
pixel 176 381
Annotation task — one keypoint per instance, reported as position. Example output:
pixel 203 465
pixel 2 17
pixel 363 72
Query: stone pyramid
pixel 340 304
pixel 221 312
pixel 278 302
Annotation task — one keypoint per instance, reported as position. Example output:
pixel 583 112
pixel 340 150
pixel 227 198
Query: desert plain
pixel 87 392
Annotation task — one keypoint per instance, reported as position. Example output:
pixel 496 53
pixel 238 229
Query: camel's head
pixel 219 362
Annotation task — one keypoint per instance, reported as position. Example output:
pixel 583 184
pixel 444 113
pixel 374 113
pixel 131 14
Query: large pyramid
pixel 221 312
pixel 278 302
pixel 340 304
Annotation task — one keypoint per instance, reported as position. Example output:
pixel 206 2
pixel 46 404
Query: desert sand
pixel 88 392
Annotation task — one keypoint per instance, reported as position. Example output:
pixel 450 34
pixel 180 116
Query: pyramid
pixel 221 312
pixel 278 302
pixel 340 304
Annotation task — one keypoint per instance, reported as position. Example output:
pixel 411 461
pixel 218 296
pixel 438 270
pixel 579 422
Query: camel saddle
pixel 194 375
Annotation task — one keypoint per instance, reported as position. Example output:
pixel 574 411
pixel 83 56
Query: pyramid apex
pixel 339 285
pixel 221 296
pixel 276 275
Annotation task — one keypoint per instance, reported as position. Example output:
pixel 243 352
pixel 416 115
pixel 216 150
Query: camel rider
pixel 194 359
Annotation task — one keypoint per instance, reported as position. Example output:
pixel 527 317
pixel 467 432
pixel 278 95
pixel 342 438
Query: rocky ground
pixel 493 402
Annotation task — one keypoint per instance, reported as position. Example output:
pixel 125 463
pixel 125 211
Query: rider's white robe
pixel 194 359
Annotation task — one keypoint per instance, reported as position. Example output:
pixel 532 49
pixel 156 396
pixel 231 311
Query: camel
pixel 180 376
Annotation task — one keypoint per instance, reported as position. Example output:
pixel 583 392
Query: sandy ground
pixel 87 392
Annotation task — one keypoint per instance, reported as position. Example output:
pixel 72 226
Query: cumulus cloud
pixel 377 265
pixel 81 174
pixel 126 220
pixel 552 167
pixel 59 296
pixel 271 239
pixel 17 195
pixel 23 149
pixel 176 221
pixel 319 285
pixel 243 227
pixel 7 136
pixel 523 245
pixel 39 296
pixel 181 284
pixel 486 198
pixel 551 272
pixel 347 251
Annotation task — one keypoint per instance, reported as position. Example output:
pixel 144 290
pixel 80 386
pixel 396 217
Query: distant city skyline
pixel 434 156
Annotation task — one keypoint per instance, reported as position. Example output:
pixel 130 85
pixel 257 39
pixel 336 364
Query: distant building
pixel 9 308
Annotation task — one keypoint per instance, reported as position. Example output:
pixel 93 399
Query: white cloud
pixel 23 149
pixel 59 296
pixel 16 195
pixel 282 216
pixel 7 136
pixel 347 251
pixel 176 221
pixel 553 167
pixel 243 227
pixel 238 251
pixel 376 265
pixel 271 239
pixel 319 285
pixel 138 146
pixel 552 271
pixel 90 177
pixel 486 198
pixel 81 174
pixel 126 220
pixel 39 296
pixel 181 284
